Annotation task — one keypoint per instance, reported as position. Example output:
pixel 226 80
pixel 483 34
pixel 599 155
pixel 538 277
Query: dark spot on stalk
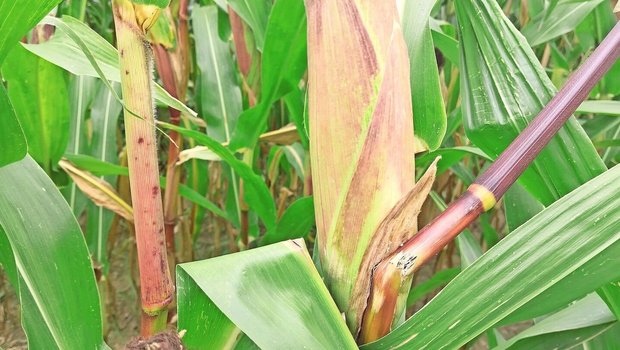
pixel 135 158
pixel 122 52
pixel 126 72
pixel 155 190
pixel 141 140
pixel 163 265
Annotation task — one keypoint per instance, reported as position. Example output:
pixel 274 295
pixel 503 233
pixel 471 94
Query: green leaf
pixel 296 222
pixel 449 157
pixel 159 3
pixel 219 93
pixel 611 108
pixel 439 279
pixel 38 92
pixel 502 93
pixel 81 91
pixel 283 64
pixel 590 33
pixel 447 45
pixel 606 340
pixel 570 339
pixel 273 294
pixel 63 50
pixel 104 116
pixel 256 193
pixel 7 261
pixel 255 13
pixel 296 104
pixel 18 19
pixel 519 206
pixel 587 312
pixel 504 87
pixel 429 112
pixel 594 274
pixel 561 19
pixel 59 298
pixel 555 243
pixel 296 156
pixel 12 139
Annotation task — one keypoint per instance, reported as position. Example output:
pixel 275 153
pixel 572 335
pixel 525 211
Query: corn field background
pixel 251 174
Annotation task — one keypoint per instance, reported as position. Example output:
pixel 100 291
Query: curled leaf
pixel 98 190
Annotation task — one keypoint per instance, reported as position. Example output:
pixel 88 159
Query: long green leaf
pixel 607 340
pixel 273 294
pixel 17 19
pixel 256 194
pixel 611 108
pixel 283 64
pixel 12 139
pixel 219 93
pixel 590 33
pixel 62 50
pixel 81 91
pixel 429 112
pixel 39 94
pixel 59 298
pixel 560 240
pixel 104 115
pixel 255 13
pixel 504 87
pixel 158 3
pixel 588 312
pixel 558 20
pixel 295 223
pixel 501 93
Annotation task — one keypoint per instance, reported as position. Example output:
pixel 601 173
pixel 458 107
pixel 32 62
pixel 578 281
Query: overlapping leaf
pixel 273 294
pixel 64 51
pixel 282 66
pixel 39 94
pixel 504 87
pixel 59 297
pixel 429 114
pixel 558 20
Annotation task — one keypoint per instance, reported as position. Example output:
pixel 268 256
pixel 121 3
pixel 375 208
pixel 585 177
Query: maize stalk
pixel 132 21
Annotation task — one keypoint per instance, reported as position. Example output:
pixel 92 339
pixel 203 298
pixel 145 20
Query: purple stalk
pixel 481 195
pixel 522 151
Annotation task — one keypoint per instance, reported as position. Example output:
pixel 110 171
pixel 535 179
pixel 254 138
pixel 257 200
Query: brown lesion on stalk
pixel 397 226
pixel 395 269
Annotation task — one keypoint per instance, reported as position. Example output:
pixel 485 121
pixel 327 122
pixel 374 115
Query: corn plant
pixel 316 174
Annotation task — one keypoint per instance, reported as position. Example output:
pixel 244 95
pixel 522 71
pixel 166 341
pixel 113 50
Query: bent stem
pixel 156 289
pixel 481 196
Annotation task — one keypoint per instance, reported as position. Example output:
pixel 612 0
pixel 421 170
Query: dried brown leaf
pixel 98 190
